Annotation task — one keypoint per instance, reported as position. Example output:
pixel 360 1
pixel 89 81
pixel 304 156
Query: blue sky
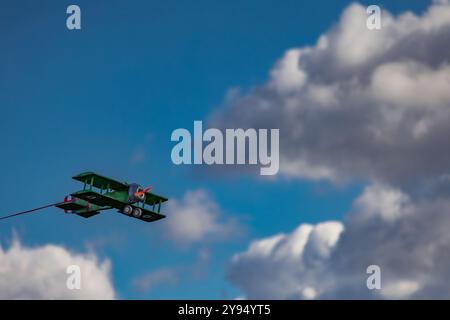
pixel 106 99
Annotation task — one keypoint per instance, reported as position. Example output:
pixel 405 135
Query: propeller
pixel 142 192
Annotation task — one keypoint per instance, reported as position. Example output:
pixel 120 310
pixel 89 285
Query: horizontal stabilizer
pixel 70 206
pixel 87 214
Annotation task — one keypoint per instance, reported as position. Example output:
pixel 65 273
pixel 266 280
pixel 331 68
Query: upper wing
pixel 99 181
pixel 99 199
pixel 151 199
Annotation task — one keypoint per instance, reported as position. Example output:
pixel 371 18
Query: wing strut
pixel 28 211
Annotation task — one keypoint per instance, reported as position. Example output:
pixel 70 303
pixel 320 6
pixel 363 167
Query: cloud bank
pixel 361 105
pixel 40 273
pixel 408 240
pixel 152 279
pixel 364 104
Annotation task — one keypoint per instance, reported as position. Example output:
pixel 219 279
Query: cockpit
pixel 135 193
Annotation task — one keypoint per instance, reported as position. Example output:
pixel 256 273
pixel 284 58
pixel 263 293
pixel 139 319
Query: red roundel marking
pixel 66 199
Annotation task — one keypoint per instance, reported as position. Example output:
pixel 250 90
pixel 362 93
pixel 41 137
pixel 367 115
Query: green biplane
pixel 101 193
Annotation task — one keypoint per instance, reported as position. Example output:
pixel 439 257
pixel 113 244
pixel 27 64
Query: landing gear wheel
pixel 137 212
pixel 128 209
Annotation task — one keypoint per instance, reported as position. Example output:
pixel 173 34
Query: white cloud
pixel 40 273
pixel 369 105
pixel 411 85
pixel 407 238
pixel 401 289
pixel 286 76
pixel 285 265
pixel 359 104
pixel 383 201
pixel 152 279
pixel 197 217
pixel 372 106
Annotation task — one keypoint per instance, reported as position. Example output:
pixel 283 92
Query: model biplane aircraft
pixel 101 193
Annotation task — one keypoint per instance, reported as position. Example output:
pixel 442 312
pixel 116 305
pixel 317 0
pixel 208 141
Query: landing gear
pixel 128 209
pixel 137 212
